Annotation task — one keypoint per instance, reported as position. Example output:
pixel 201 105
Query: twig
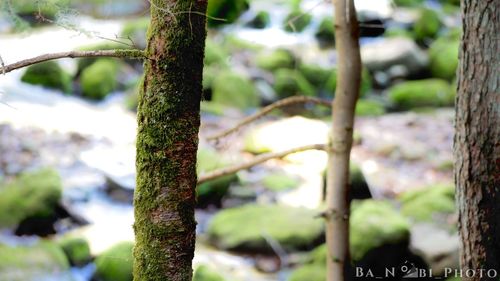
pixel 277 248
pixel 267 109
pixel 255 161
pixel 138 54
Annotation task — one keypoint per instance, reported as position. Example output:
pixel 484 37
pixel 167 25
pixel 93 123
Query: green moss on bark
pixel 167 141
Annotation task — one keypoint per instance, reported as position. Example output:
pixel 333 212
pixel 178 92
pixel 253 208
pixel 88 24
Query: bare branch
pixel 269 108
pixel 256 161
pixel 138 54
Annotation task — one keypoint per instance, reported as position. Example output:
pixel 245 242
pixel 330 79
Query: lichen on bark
pixel 167 141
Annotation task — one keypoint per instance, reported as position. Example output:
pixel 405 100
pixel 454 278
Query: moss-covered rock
pixel 225 11
pixel 374 224
pixel 279 182
pixel 289 82
pixel 427 26
pixel 29 9
pixel 236 90
pixel 297 21
pixel 325 33
pixel 116 263
pixel 30 195
pixel 215 54
pixel 135 30
pixel 369 108
pixel 48 74
pixel 422 93
pixel 32 263
pixel 398 32
pixel 357 182
pixel 77 250
pixel 422 204
pixel 211 192
pixel 261 20
pixel 206 273
pixel 245 228
pixel 99 79
pixel 317 75
pixel 276 59
pixel 443 55
pixel 408 3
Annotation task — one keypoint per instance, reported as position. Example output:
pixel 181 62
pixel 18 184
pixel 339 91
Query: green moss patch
pixel 206 273
pixel 443 55
pixel 261 20
pixel 30 263
pixel 77 250
pixel 48 74
pixel 422 93
pixel 279 182
pixel 276 59
pixel 30 195
pixel 245 228
pixel 99 79
pixel 235 90
pixel 422 204
pixel 297 21
pixel 289 82
pixel 325 33
pixel 427 26
pixel 225 11
pixel 369 108
pixel 116 263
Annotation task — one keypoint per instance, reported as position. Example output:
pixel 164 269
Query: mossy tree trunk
pixel 167 141
pixel 346 96
pixel 477 139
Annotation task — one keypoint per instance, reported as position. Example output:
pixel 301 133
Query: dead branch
pixel 267 109
pixel 137 54
pixel 255 161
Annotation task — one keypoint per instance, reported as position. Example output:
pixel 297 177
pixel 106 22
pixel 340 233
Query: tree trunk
pixel 167 141
pixel 346 95
pixel 477 138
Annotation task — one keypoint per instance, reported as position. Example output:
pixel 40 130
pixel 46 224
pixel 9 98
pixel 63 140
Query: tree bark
pixel 477 138
pixel 167 141
pixel 346 95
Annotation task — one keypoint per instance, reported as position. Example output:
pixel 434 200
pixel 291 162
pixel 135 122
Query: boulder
pixel 31 195
pixel 76 249
pixel 29 9
pixel 42 261
pixel 422 93
pixel 386 54
pixel 437 246
pixel 443 55
pixel 424 204
pixel 229 10
pixel 276 59
pixel 297 21
pixel 235 90
pixel 99 79
pixel 207 273
pixel 249 227
pixel 116 263
pixel 325 34
pixel 279 182
pixel 261 20
pixel 48 74
pixel 427 26
pixel 289 82
pixel 376 230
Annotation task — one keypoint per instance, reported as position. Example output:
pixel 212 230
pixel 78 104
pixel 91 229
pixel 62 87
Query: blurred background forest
pixel 68 127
